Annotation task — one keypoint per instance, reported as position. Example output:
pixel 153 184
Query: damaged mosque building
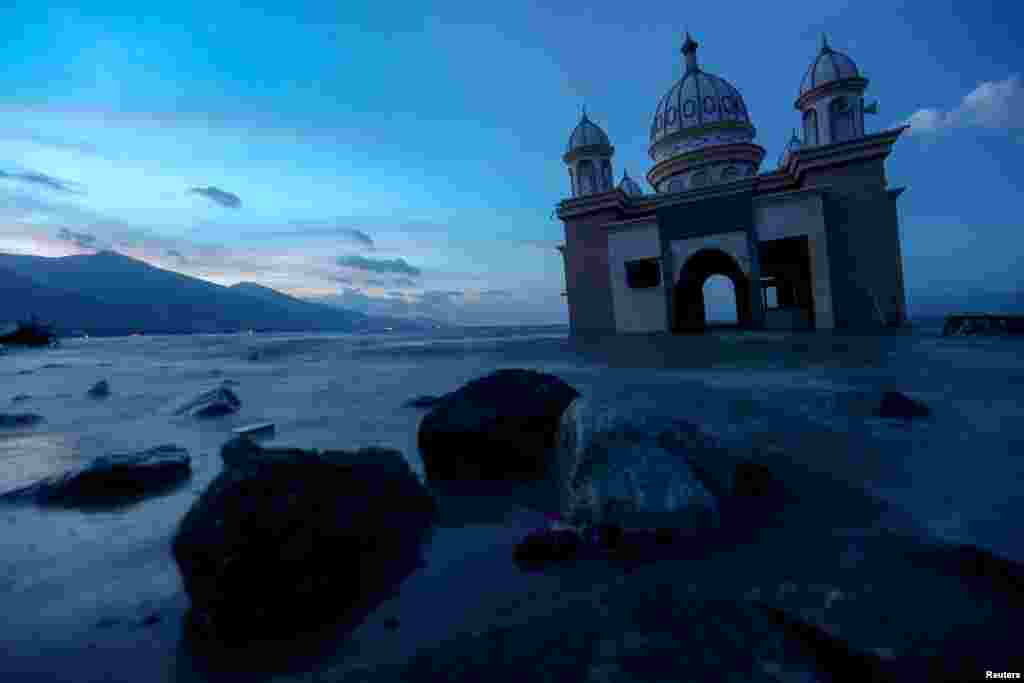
pixel 811 244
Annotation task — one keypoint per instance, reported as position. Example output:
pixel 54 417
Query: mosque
pixel 811 244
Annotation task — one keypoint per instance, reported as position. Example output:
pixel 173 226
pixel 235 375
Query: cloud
pixel 83 240
pixel 43 140
pixel 397 265
pixel 40 180
pixel 218 196
pixel 319 229
pixel 539 306
pixel 993 104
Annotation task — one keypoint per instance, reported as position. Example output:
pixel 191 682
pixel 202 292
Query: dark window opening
pixel 643 273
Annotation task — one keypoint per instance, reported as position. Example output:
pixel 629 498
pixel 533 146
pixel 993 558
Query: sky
pixel 406 157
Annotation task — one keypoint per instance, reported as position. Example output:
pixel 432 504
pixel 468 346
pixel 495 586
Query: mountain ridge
pixel 108 293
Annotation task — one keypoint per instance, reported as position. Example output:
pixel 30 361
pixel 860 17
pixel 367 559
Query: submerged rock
pixel 543 548
pixel 20 397
pixel 498 427
pixel 100 390
pixel 113 479
pixel 13 420
pixel 284 540
pixel 895 404
pixel 213 403
pixel 630 472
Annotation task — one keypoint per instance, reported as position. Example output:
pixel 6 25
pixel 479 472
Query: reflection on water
pixel 25 458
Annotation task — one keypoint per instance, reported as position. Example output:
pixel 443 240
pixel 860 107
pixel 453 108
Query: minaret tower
pixel 589 158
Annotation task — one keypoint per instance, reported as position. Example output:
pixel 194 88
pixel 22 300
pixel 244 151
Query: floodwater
pixel 77 587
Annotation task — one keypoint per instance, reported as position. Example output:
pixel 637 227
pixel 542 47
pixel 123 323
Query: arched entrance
pixel 688 295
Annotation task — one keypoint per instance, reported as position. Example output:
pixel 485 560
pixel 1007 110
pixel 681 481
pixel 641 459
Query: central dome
pixel 698 103
pixel 701 134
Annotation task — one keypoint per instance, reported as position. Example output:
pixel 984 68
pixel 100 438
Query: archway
pixel 688 295
pixel 720 302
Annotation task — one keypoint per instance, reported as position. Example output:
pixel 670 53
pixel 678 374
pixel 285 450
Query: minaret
pixel 589 158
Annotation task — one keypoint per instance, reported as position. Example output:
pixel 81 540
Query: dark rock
pixel 107 622
pixel 214 403
pixel 754 480
pixel 20 397
pixel 285 540
pixel 898 405
pixel 425 401
pixel 977 568
pixel 29 333
pixel 113 479
pixel 543 548
pixel 498 427
pixel 12 420
pixel 100 390
pixel 833 656
pixel 153 618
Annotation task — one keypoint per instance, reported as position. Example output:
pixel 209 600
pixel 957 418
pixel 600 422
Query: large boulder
pixel 284 540
pixel 100 390
pixel 630 472
pixel 498 427
pixel 113 479
pixel 214 403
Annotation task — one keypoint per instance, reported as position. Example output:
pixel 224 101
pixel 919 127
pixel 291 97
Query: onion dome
pixel 699 102
pixel 792 146
pixel 630 186
pixel 586 134
pixel 828 67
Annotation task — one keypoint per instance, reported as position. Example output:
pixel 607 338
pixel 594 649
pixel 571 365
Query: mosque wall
pixel 865 259
pixel 636 310
pixel 736 244
pixel 801 215
pixel 587 282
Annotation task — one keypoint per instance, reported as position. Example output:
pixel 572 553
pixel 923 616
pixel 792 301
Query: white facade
pixel 636 310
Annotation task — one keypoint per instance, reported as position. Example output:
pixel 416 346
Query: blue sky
pixel 406 156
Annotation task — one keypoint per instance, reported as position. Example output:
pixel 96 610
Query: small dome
pixel 630 186
pixel 586 134
pixel 793 145
pixel 697 101
pixel 828 67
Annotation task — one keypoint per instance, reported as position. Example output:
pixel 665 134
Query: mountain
pixel 301 307
pixel 109 293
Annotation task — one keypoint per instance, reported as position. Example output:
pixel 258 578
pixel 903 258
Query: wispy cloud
pixel 993 104
pixel 397 265
pixel 218 196
pixel 298 229
pixel 17 133
pixel 40 180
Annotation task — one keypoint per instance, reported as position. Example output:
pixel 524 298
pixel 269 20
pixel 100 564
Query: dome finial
pixel 824 43
pixel 689 51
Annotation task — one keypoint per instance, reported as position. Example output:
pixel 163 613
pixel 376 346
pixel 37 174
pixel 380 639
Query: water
pixel 62 573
